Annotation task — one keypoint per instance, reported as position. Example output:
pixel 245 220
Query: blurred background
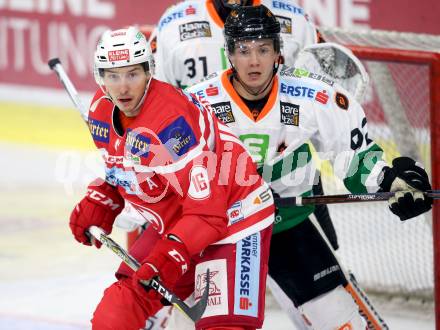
pixel 47 280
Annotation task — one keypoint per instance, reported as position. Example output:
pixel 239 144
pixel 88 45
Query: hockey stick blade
pixel 56 66
pixel 344 198
pixel 194 313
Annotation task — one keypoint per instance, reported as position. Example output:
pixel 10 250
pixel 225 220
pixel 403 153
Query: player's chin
pixel 125 106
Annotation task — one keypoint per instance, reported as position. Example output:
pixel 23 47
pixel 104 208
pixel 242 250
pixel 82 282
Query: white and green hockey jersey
pixel 188 42
pixel 302 108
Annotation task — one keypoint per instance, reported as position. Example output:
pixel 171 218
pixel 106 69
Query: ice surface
pixel 47 280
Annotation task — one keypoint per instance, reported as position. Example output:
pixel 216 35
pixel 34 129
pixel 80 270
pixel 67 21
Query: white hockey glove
pixel 409 180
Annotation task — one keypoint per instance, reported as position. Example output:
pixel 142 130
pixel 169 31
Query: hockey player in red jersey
pixel 190 178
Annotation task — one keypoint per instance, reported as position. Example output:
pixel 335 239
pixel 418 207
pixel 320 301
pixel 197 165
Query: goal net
pixel 402 105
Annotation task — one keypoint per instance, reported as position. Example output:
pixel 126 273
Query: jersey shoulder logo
pixel 177 12
pixel 285 23
pixel 289 113
pixel 192 30
pixel 100 130
pixel 223 111
pixel 178 137
pixel 342 101
pixel 137 144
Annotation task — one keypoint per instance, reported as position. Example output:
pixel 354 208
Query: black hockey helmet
pixel 250 23
pixel 226 4
pixel 223 7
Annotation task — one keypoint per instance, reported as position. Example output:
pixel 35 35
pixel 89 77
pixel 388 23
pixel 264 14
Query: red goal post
pixel 411 51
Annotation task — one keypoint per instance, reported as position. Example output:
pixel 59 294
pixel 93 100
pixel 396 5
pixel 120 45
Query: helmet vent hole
pixel 139 53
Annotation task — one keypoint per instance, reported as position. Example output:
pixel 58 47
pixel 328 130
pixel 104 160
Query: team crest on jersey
pixel 223 111
pixel 342 101
pixel 289 114
pixel 192 30
pixel 152 217
pixel 178 137
pixel 286 24
pixel 100 130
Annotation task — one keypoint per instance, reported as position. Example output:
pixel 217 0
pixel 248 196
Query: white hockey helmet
pixel 120 48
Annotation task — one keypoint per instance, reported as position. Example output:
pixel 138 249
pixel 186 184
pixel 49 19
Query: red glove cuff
pixel 104 194
pixel 196 232
pixel 169 259
pixel 168 254
pixel 99 208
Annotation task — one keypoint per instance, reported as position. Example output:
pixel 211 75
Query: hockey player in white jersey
pixel 275 111
pixel 188 41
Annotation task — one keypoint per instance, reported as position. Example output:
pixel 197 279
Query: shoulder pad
pixel 286 6
pixel 287 72
pixel 179 11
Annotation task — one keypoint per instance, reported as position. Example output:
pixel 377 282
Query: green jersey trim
pixel 361 167
pixel 300 157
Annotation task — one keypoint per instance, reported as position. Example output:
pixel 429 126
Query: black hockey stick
pixel 55 65
pixel 194 313
pixel 344 198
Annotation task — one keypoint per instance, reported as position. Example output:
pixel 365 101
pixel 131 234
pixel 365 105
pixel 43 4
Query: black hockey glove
pixel 409 180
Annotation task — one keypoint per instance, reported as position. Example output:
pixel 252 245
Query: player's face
pixel 254 61
pixel 126 86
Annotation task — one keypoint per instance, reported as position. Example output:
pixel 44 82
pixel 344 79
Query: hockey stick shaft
pixel 344 198
pixel 194 313
pixel 55 65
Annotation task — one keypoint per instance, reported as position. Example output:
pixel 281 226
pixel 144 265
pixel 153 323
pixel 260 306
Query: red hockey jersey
pixel 183 170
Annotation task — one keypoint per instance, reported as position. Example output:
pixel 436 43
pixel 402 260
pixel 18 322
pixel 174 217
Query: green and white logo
pixel 257 145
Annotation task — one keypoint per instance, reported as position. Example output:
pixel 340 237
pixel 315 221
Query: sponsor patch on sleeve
pixel 100 130
pixel 192 30
pixel 223 111
pixel 235 213
pixel 286 24
pixel 178 137
pixel 342 101
pixel 289 114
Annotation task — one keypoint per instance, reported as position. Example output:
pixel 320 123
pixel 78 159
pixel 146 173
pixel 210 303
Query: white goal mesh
pixel 386 255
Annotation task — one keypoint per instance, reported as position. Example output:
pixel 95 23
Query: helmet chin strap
pixel 246 88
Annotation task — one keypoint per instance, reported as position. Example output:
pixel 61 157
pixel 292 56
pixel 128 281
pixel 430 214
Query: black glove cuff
pixel 386 178
pixel 406 169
